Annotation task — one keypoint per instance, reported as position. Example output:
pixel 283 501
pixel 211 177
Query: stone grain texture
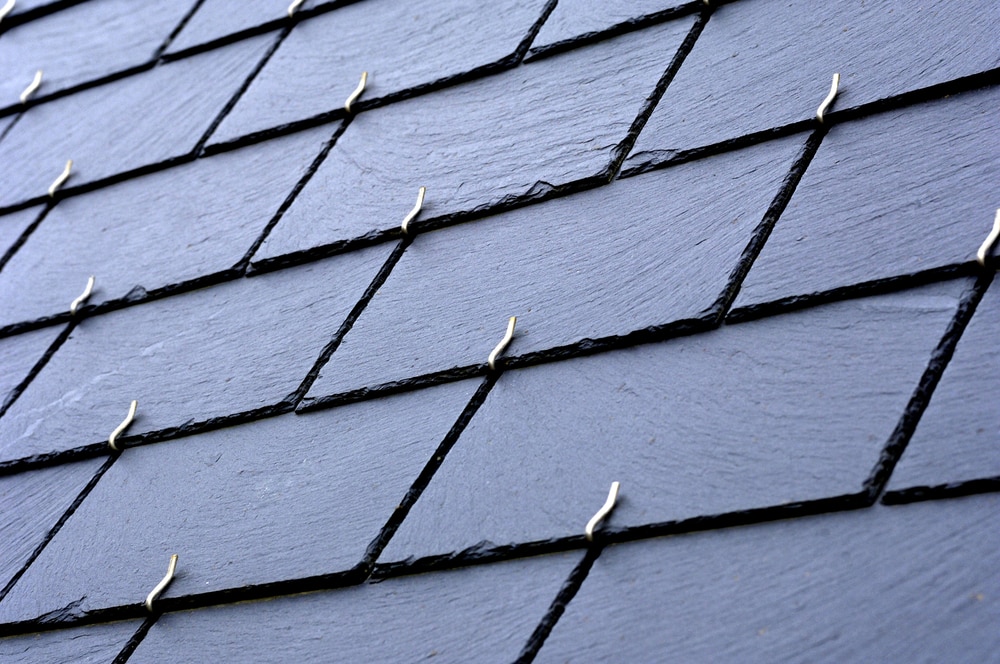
pixel 766 413
pixel 567 268
pixel 11 227
pixel 878 201
pixel 214 352
pixel 767 63
pixel 891 584
pixel 216 19
pixel 958 438
pixel 84 43
pixel 202 217
pixel 93 644
pixel 401 44
pixel 124 125
pixel 18 354
pixel 449 142
pixel 281 498
pixel 479 614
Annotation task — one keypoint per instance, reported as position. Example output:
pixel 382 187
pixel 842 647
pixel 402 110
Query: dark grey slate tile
pixel 82 43
pixel 18 354
pixel 25 6
pixel 6 122
pixel 780 410
pixel 890 195
pixel 202 217
pixel 575 19
pixel 570 269
pixel 283 498
pixel 219 18
pixel 238 346
pixel 93 644
pixel 449 141
pixel 958 437
pixel 32 504
pixel 889 584
pixel 766 63
pixel 133 122
pixel 402 45
pixel 483 614
pixel 11 227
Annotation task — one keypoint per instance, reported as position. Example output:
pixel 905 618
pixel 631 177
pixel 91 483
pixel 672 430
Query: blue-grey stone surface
pixel 220 18
pixel 93 644
pixel 577 19
pixel 18 354
pixel 12 225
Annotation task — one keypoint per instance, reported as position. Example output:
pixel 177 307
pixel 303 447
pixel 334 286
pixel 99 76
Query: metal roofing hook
pixel 292 8
pixel 602 513
pixel 162 585
pixel 75 304
pixel 61 179
pixel 414 212
pixel 357 92
pixel 113 438
pixel 30 90
pixel 829 98
pixel 989 242
pixel 6 9
pixel 492 361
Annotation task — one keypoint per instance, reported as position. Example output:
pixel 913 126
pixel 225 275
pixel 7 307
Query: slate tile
pixel 11 227
pixel 879 200
pixel 18 354
pixel 283 498
pixel 748 72
pixel 577 19
pixel 5 123
pixel 25 6
pixel 900 584
pixel 32 504
pixel 400 44
pixel 449 142
pixel 958 437
pixel 83 43
pixel 93 644
pixel 570 269
pixel 235 347
pixel 133 122
pixel 484 614
pixel 678 426
pixel 216 19
pixel 202 217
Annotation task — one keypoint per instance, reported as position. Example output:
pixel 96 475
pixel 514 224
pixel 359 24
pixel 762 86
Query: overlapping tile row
pixel 621 368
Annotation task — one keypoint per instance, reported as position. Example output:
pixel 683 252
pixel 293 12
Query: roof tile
pixel 19 354
pixel 11 227
pixel 216 19
pixel 93 644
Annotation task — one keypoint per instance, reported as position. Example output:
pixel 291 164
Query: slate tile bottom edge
pixel 917 494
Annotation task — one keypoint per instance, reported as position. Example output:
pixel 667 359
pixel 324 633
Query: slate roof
pixel 771 330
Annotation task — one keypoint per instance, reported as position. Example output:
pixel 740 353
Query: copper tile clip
pixel 825 106
pixel 987 246
pixel 292 8
pixel 113 438
pixel 357 92
pixel 75 304
pixel 414 212
pixel 61 179
pixel 502 346
pixel 162 585
pixel 30 90
pixel 602 513
pixel 6 9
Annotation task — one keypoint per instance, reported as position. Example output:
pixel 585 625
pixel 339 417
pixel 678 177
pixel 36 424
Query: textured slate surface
pixel 958 437
pixel 93 644
pixel 907 584
pixel 240 509
pixel 481 614
pixel 202 217
pixel 678 426
pixel 19 354
pixel 402 45
pixel 83 43
pixel 219 18
pixel 49 492
pixel 878 201
pixel 217 351
pixel 448 142
pixel 11 227
pixel 576 19
pixel 767 63
pixel 121 126
pixel 566 268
